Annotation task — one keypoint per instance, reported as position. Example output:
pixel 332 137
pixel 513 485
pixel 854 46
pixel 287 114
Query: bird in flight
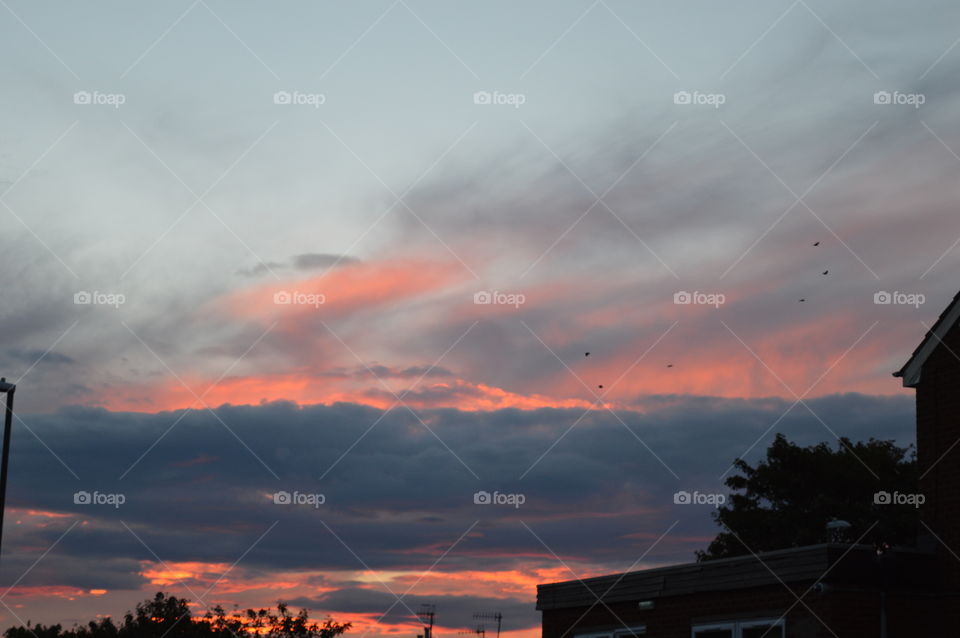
pixel 802 300
pixel 669 365
pixel 816 243
pixel 586 354
pixel 826 272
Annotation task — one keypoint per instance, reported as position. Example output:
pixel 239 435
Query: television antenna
pixel 497 616
pixel 427 613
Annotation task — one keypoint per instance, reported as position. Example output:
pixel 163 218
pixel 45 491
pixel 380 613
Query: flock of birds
pixel 802 299
pixel 587 354
pixel 825 272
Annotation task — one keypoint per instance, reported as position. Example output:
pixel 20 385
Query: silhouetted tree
pixel 789 497
pixel 170 617
pixel 40 631
pixel 161 616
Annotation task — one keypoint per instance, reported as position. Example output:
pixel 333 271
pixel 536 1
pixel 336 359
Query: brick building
pixel 829 590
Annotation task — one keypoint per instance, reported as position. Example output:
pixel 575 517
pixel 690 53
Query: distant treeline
pixel 166 616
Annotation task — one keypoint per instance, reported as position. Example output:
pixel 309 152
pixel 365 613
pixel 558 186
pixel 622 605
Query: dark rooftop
pixel 836 564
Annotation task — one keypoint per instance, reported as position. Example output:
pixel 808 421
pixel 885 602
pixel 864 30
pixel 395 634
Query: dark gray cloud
pixel 398 492
pixel 409 372
pixel 301 262
pixel 79 571
pixel 320 261
pixel 39 357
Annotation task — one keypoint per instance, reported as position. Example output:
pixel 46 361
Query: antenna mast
pixel 497 616
pixel 426 613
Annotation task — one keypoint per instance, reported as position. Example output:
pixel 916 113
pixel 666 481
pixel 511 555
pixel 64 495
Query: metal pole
pixel 9 388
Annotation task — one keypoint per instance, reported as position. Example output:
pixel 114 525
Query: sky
pixel 377 304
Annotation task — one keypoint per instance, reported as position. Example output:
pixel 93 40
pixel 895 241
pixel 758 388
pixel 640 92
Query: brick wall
pixel 836 614
pixel 673 616
pixel 938 452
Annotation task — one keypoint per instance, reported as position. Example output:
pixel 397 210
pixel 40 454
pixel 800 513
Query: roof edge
pixel 910 372
pixel 720 561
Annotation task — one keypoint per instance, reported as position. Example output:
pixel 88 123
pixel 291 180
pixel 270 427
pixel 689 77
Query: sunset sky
pixel 361 249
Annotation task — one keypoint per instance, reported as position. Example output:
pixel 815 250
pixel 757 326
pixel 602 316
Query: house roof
pixel 910 372
pixel 846 565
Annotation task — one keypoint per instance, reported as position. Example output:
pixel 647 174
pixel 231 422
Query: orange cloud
pixel 306 390
pixel 301 362
pixel 514 583
pixel 223 577
pixel 690 360
pixel 175 573
pixel 37 518
pixel 46 591
pixel 348 289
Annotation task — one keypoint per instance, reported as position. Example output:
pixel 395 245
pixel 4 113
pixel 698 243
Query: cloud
pixel 301 262
pixel 320 261
pixel 409 372
pixel 600 287
pixel 39 357
pixel 398 490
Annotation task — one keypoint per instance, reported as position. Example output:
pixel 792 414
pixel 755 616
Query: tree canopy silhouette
pixel 169 616
pixel 787 499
